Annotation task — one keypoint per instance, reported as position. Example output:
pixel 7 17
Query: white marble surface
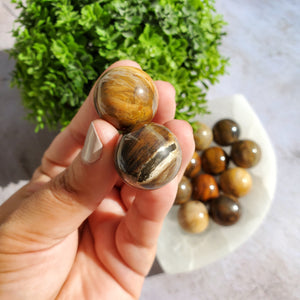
pixel 263 44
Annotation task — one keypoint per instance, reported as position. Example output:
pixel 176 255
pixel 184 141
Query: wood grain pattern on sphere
pixel 214 160
pixel 224 210
pixel 184 191
pixel 236 181
pixel 205 187
pixel 203 136
pixel 226 132
pixel 194 166
pixel 126 97
pixel 245 153
pixel 193 216
pixel 149 157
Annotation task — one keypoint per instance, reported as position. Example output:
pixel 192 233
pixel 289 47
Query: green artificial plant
pixel 61 47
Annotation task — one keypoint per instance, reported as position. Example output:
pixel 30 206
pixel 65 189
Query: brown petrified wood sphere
pixel 245 153
pixel 184 191
pixel 214 160
pixel 149 157
pixel 224 210
pixel 203 136
pixel 226 132
pixel 205 187
pixel 194 166
pixel 193 216
pixel 236 181
pixel 126 97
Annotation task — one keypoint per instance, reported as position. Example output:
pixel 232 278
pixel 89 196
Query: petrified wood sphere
pixel 126 97
pixel 193 216
pixel 203 136
pixel 184 191
pixel 214 160
pixel 149 157
pixel 224 210
pixel 226 132
pixel 205 187
pixel 194 166
pixel 245 153
pixel 236 181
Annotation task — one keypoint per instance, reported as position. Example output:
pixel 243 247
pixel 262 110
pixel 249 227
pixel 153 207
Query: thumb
pixel 61 205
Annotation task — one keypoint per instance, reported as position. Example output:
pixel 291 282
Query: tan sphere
pixel 193 216
pixel 203 136
pixel 236 182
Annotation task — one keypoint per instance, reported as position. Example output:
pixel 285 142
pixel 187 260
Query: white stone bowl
pixel 179 251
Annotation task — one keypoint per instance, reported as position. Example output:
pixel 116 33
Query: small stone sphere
pixel 236 182
pixel 203 136
pixel 205 187
pixel 245 153
pixel 126 97
pixel 193 216
pixel 224 211
pixel 214 160
pixel 194 166
pixel 149 157
pixel 226 132
pixel 184 191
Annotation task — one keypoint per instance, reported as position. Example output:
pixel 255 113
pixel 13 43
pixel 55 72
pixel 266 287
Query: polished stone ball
pixel 236 182
pixel 205 187
pixel 193 216
pixel 224 210
pixel 203 136
pixel 245 153
pixel 214 160
pixel 184 191
pixel 126 97
pixel 226 132
pixel 149 157
pixel 194 166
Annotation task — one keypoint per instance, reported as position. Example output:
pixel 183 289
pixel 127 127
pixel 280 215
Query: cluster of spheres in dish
pixel 211 187
pixel 147 155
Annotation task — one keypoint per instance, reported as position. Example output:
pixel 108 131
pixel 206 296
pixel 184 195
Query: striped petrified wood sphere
pixel 126 97
pixel 149 157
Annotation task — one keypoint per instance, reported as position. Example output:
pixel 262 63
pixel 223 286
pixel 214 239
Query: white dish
pixel 179 251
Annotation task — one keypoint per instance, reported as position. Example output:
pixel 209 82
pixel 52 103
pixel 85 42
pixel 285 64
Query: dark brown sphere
pixel 214 160
pixel 194 166
pixel 126 97
pixel 205 187
pixel 149 157
pixel 184 191
pixel 224 211
pixel 245 153
pixel 226 132
pixel 203 136
pixel 236 182
pixel 193 216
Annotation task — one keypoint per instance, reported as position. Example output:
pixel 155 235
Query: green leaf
pixel 61 47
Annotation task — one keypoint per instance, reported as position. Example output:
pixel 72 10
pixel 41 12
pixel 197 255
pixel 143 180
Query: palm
pixel 86 264
pixel 98 263
pixel 98 267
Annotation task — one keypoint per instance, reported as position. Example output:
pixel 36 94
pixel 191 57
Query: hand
pixel 75 231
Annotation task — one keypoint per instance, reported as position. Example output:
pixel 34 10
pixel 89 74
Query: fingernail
pixel 92 148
